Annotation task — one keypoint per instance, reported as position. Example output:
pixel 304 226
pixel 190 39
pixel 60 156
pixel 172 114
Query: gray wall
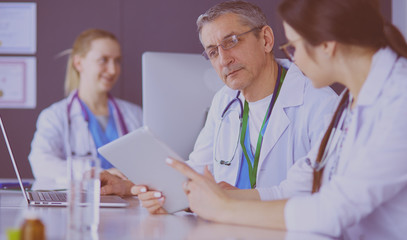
pixel 156 25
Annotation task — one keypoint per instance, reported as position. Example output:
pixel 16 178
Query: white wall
pixel 399 15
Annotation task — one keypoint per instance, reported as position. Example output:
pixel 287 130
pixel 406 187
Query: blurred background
pixel 156 25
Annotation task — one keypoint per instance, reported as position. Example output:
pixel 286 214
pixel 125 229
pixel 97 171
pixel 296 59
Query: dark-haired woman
pixel 354 184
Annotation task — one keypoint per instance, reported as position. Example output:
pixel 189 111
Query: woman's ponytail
pixel 395 39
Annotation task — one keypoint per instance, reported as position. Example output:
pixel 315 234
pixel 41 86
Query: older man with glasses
pixel 278 115
pixel 266 117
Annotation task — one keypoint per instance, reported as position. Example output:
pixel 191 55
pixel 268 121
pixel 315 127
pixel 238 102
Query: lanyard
pixel 253 169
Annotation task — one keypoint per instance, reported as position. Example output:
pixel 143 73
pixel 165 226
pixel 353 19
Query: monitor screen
pixel 177 92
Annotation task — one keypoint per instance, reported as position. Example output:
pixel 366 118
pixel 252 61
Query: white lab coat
pixel 367 196
pixel 295 124
pixel 48 148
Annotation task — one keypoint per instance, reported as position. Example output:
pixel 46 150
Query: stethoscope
pixel 236 99
pixel 223 116
pixel 334 138
pixel 85 114
pixel 277 87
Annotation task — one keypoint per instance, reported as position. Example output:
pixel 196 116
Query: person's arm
pixel 267 214
pixel 243 194
pixel 210 202
pixel 114 185
pixel 154 200
pixel 114 182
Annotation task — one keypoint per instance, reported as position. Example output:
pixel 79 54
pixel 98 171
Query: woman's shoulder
pixel 56 107
pixel 55 112
pixel 400 73
pixel 396 85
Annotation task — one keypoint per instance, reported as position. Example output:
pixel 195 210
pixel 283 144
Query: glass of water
pixel 83 197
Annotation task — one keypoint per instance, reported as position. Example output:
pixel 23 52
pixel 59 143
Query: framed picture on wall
pixel 18 28
pixel 17 82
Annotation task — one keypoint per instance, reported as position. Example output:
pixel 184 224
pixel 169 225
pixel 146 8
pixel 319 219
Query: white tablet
pixel 141 157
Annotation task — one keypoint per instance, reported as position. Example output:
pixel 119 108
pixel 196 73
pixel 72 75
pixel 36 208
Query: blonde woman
pixel 89 116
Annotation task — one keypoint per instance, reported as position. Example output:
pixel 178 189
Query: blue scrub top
pixel 100 136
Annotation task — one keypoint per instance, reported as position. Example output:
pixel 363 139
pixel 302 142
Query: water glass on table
pixel 83 197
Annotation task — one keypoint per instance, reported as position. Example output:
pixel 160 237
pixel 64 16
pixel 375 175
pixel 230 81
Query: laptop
pixel 178 89
pixel 53 198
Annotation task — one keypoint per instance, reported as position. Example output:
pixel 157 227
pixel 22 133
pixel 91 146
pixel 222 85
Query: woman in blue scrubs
pixel 89 116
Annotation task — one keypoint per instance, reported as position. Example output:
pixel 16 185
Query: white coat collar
pixel 292 91
pixel 382 65
pixel 291 95
pixel 76 109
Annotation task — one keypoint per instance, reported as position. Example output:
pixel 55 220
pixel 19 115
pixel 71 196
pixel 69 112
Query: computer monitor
pixel 177 92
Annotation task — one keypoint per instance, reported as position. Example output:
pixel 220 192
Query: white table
pixel 134 222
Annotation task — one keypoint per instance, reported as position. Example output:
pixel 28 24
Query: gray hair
pixel 250 14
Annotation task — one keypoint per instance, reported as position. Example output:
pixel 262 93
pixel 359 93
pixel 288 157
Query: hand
pixel 226 186
pixel 112 184
pixel 115 171
pixel 205 197
pixel 153 202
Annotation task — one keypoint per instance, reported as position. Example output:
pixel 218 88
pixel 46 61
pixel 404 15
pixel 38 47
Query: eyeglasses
pixel 226 44
pixel 289 49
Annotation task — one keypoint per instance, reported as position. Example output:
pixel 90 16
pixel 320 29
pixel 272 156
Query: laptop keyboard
pixel 49 196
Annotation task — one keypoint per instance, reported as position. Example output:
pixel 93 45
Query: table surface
pixel 134 222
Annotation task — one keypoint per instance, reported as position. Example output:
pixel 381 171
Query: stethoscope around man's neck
pixel 243 121
pixel 85 114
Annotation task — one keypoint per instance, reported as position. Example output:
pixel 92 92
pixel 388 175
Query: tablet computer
pixel 141 157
